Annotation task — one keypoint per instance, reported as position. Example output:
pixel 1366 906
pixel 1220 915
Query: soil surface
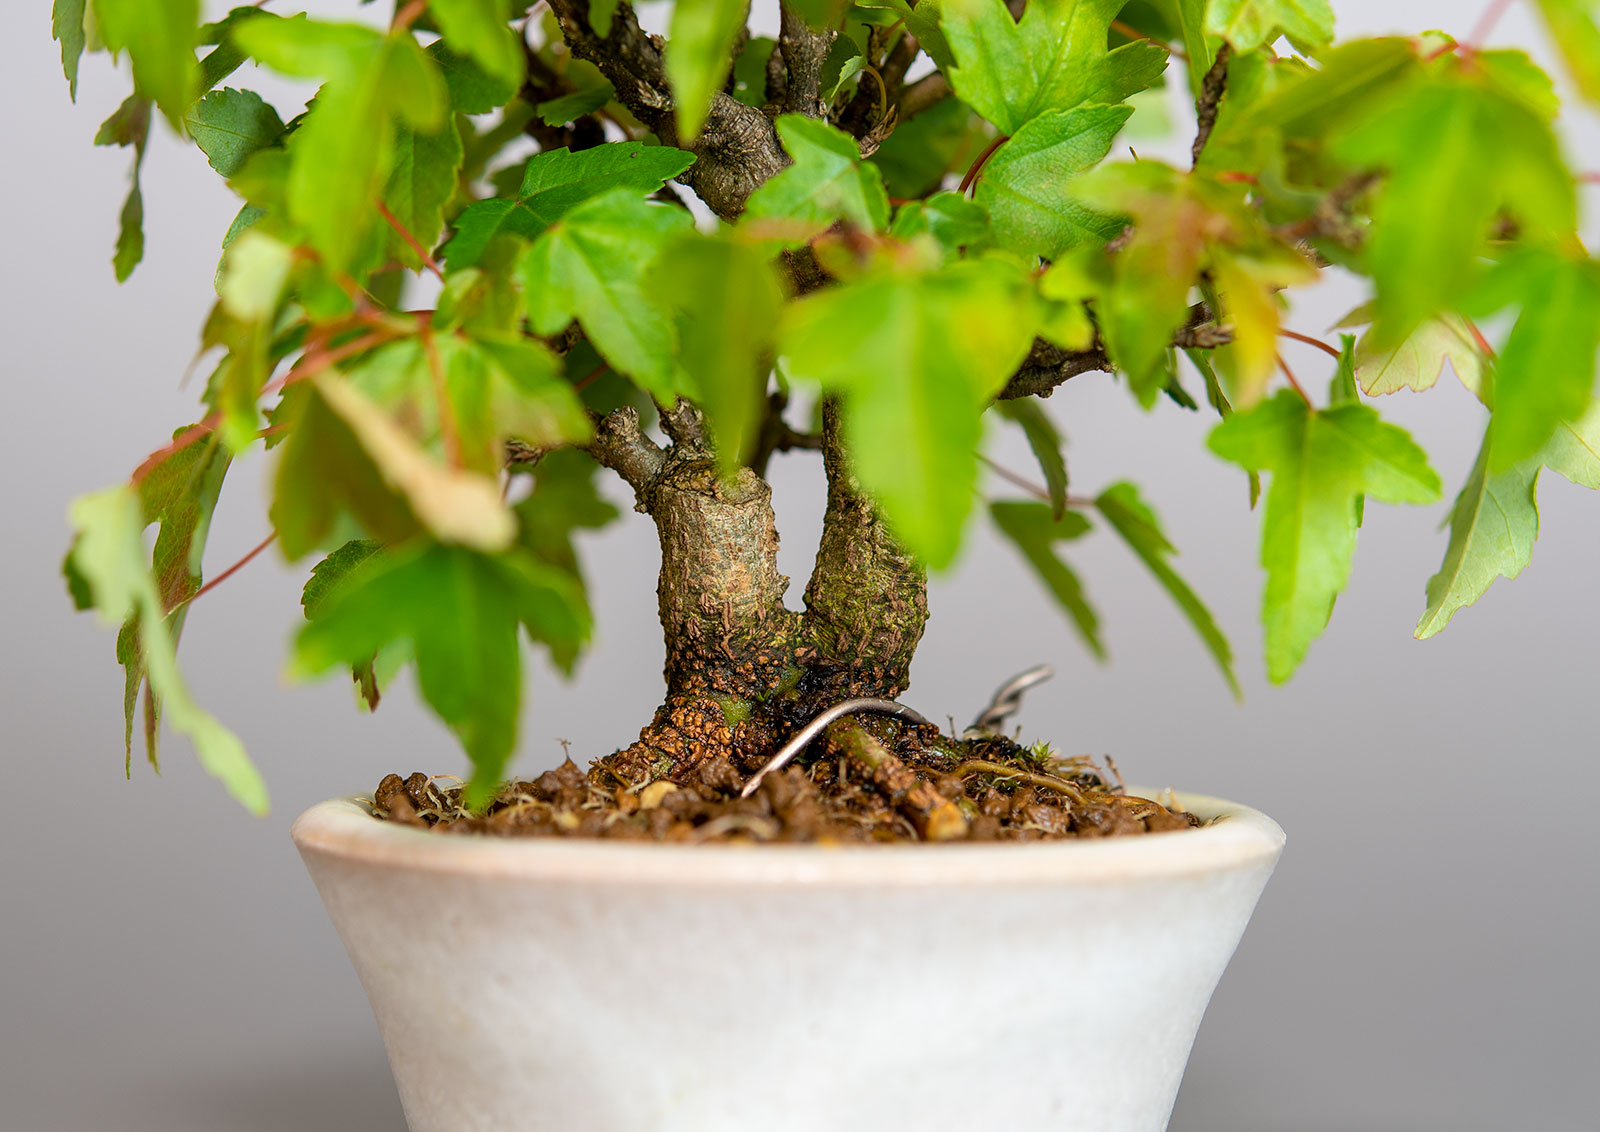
pixel 904 782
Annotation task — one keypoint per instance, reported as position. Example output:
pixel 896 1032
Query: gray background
pixel 1422 960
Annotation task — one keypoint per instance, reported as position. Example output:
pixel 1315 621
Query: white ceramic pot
pixel 595 986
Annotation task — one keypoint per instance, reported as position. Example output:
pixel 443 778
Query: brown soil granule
pixel 917 785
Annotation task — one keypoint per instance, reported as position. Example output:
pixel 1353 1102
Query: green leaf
pixel 460 611
pixel 600 13
pixel 1320 463
pixel 329 575
pixel 590 266
pixel 109 556
pixel 1250 25
pixel 915 158
pixel 727 297
pixel 481 30
pixel 1188 18
pixel 1573 29
pixel 472 89
pixel 66 25
pixel 343 152
pixel 1133 519
pixel 1035 532
pixel 255 269
pixel 129 125
pixel 699 54
pixel 130 233
pixel 570 107
pixel 1433 218
pixel 1054 58
pixel 553 184
pixel 503 385
pixel 1493 525
pixel 824 13
pixel 916 358
pixel 426 169
pixel 921 21
pixel 229 125
pixel 160 40
pixel 1045 441
pixel 1417 362
pixel 1024 183
pixel 951 219
pixel 1546 369
pixel 827 182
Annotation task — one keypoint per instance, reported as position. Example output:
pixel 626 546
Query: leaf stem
pixel 1293 382
pixel 1028 485
pixel 1310 341
pixel 448 429
pixel 982 159
pixel 405 17
pixel 1134 33
pixel 234 569
pixel 411 241
pixel 1486 22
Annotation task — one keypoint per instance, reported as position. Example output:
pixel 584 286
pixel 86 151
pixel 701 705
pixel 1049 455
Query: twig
pixel 1032 777
pixel 1212 88
pixel 234 569
pixel 1298 388
pixel 982 159
pixel 411 241
pixel 1310 341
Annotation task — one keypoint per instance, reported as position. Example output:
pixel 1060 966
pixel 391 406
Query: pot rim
pixel 1234 836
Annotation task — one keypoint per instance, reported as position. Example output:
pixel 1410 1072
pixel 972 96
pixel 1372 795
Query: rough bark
pixel 867 600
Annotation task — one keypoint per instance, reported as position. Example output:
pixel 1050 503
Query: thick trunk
pixel 867 601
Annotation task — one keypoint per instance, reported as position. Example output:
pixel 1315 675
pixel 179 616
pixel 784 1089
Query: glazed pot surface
pixel 599 986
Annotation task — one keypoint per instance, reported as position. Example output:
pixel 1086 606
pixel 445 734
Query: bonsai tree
pixel 510 247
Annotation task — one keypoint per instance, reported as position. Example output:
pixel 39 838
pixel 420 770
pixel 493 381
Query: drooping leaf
pixel 699 53
pixel 327 578
pixel 425 176
pixel 1054 58
pixel 160 39
pixel 553 184
pixel 915 357
pixel 1545 372
pixel 1249 285
pixel 1418 361
pixel 481 29
pixel 1045 441
pixel 460 611
pixel 1035 532
pixel 727 298
pixel 828 181
pixel 66 26
pixel 108 556
pixel 1139 527
pixel 590 266
pixel 1320 462
pixel 1439 199
pixel 1024 185
pixel 1493 525
pixel 343 151
pixel 1250 25
pixel 129 126
pixel 229 125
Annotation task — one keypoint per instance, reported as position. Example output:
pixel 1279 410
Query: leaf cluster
pixel 929 254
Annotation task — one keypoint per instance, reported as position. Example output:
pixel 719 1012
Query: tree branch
pixel 737 150
pixel 1048 366
pixel 621 445
pixel 1212 88
pixel 924 94
pixel 803 50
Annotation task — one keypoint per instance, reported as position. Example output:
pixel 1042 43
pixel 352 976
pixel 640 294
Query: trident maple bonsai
pixel 904 213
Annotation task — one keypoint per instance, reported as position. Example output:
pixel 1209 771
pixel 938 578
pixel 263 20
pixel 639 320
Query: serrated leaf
pixel 461 612
pixel 1054 58
pixel 915 358
pixel 1320 462
pixel 1035 532
pixel 1024 184
pixel 472 89
pixel 953 220
pixel 254 270
pixel 343 151
pixel 66 26
pixel 1249 285
pixel 229 125
pixel 571 107
pixel 109 556
pixel 1188 18
pixel 1044 439
pixel 590 266
pixel 922 21
pixel 1545 372
pixel 1493 526
pixel 426 172
pixel 481 30
pixel 160 39
pixel 1139 527
pixel 1250 25
pixel 1418 361
pixel 502 385
pixel 129 125
pixel 699 54
pixel 327 578
pixel 1432 219
pixel 827 181
pixel 553 184
pixel 727 298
